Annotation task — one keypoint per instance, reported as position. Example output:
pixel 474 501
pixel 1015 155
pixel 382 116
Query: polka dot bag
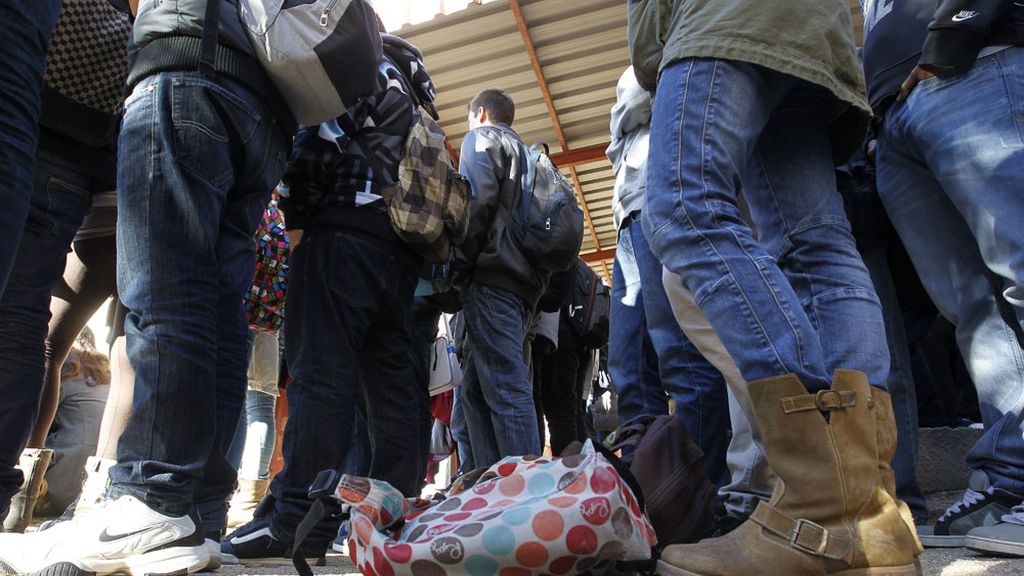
pixel 523 516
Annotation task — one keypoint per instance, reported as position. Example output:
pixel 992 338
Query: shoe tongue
pixel 979 481
pixel 1016 515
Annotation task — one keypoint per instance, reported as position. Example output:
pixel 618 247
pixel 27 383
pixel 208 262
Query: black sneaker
pixel 982 505
pixel 254 541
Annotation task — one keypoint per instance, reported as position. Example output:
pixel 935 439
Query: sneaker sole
pixel 933 541
pixel 995 547
pixel 170 562
pixel 273 561
pixel 665 569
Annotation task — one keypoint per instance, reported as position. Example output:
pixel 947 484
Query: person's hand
pixel 872 150
pixel 294 237
pixel 917 75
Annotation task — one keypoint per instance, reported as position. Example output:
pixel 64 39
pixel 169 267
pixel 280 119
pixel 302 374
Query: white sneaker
pixel 122 535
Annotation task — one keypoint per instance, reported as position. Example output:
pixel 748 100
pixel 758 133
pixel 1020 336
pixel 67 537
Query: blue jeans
pixel 424 333
pixel 463 442
pixel 951 173
pixel 796 299
pixel 197 161
pixel 497 396
pixel 26 27
pixel 61 196
pixel 682 372
pixel 348 339
pixel 253 445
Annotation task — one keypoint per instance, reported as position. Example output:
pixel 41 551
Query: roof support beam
pixel 578 156
pixel 598 256
pixel 542 83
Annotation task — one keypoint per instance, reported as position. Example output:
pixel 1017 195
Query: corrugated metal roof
pixel 581 51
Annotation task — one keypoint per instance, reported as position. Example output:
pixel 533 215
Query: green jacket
pixel 810 39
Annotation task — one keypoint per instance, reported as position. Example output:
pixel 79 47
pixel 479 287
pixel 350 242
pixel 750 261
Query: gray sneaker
pixel 982 505
pixel 1003 539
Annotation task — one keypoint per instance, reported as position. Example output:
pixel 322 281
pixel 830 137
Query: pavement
pixel 937 562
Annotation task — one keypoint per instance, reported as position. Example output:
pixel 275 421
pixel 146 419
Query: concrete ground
pixel 948 562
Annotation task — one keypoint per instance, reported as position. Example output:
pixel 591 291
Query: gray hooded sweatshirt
pixel 630 126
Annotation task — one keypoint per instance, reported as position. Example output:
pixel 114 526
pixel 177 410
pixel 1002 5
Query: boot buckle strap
pixel 809 537
pixel 824 400
pixel 802 534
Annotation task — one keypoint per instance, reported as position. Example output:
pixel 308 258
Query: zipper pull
pixel 547 224
pixel 323 18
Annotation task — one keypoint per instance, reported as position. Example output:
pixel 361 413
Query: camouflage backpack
pixel 429 203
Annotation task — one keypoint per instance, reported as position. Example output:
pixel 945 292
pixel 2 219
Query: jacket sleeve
pixel 646 21
pixel 299 175
pixel 479 163
pixel 960 30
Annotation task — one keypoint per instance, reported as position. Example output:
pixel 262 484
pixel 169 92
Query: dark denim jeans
pixel 424 333
pixel 61 196
pixel 197 161
pixel 796 298
pixel 26 27
pixel 349 335
pixel 496 391
pixel 873 234
pixel 558 391
pixel 950 172
pixel 649 357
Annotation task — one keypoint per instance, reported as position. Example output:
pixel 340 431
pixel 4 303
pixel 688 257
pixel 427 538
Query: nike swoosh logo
pixel 108 537
pixel 964 15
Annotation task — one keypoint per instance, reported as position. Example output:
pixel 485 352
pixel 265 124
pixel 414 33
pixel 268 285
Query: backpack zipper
pixel 326 12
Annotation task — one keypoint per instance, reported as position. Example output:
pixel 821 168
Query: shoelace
pixel 1016 515
pixel 971 497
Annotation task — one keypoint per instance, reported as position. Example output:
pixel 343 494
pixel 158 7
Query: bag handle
pixel 323 486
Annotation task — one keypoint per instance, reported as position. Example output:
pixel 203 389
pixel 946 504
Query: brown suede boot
pixel 33 464
pixel 829 513
pixel 886 429
pixel 245 500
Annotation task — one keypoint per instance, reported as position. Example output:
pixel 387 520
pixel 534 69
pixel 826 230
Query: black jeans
pixel 349 335
pixel 558 392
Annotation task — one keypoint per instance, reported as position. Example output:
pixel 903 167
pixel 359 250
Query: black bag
pixel 548 225
pixel 589 307
pixel 668 466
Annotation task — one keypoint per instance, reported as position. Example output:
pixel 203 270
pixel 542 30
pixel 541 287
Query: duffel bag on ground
pixel 524 515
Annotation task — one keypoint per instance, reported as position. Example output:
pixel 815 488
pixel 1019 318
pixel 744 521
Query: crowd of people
pixel 772 182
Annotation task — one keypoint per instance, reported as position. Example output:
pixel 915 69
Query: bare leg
pixel 88 281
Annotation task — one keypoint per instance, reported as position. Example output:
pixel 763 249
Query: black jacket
pixel 944 36
pixel 330 172
pixel 490 159
pixel 963 27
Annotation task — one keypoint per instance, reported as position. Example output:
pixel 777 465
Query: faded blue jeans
pixel 796 299
pixel 496 392
pixel 197 161
pixel 649 357
pixel 951 175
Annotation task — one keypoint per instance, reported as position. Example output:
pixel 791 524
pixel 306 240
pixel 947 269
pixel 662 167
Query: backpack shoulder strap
pixel 211 34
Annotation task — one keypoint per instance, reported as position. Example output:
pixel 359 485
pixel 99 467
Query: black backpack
pixel 548 222
pixel 589 307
